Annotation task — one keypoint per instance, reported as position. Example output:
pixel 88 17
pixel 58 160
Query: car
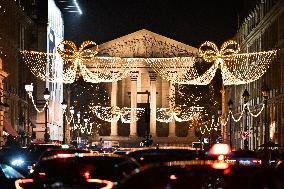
pixel 34 151
pixel 244 157
pixel 8 175
pixel 74 170
pixel 196 174
pixel 54 152
pixel 164 154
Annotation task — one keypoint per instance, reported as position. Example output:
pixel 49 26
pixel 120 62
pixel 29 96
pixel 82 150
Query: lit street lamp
pixel 246 96
pixel 46 95
pixel 230 105
pixel 64 106
pixel 265 94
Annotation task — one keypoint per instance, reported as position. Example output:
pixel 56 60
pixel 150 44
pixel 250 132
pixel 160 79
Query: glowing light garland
pixel 249 110
pixel 236 68
pixel 213 126
pixel 177 70
pixel 38 110
pixel 167 115
pixel 84 128
pixel 30 94
pixel 113 114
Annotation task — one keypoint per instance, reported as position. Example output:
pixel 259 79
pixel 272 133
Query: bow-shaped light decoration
pixel 210 53
pixel 71 53
pixel 236 68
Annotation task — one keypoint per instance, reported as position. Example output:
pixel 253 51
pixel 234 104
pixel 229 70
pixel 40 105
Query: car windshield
pixel 9 172
pixel 102 167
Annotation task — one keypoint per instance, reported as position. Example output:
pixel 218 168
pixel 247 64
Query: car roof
pixel 86 155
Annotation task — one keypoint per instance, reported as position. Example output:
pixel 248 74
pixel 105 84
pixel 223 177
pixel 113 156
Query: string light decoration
pixel 85 128
pixel 78 62
pixel 213 126
pixel 84 94
pixel 176 70
pixel 247 67
pixel 178 113
pixel 249 110
pixel 29 90
pixel 236 68
pixel 43 66
pixel 205 124
pixel 107 69
pixel 113 114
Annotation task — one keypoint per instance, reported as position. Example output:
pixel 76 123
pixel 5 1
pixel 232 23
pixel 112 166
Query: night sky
pixel 187 21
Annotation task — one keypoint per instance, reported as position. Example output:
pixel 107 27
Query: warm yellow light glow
pixel 113 114
pixel 235 68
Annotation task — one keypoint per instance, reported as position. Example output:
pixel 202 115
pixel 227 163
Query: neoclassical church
pixel 145 87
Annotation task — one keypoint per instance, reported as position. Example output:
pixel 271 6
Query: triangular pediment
pixel 145 44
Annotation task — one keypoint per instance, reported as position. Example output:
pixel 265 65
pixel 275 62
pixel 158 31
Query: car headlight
pixel 17 162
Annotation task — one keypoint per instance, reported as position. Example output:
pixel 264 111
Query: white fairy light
pixel 235 68
pixel 249 110
pixel 178 113
pixel 113 114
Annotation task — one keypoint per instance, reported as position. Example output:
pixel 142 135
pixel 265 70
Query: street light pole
pixel 46 96
pixel 220 123
pixel 265 94
pixel 230 104
pixel 246 98
pixel 64 106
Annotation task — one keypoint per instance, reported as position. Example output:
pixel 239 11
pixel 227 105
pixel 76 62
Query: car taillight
pixel 109 184
pixel 256 162
pixel 21 182
pixel 87 175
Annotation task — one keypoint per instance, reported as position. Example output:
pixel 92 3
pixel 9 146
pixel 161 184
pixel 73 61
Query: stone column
pixel 133 124
pixel 3 75
pixel 153 102
pixel 172 125
pixel 113 130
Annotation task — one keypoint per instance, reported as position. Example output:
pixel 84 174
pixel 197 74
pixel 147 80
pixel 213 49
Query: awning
pixel 9 129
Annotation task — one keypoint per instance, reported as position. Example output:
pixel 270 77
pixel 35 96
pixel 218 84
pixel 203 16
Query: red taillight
pixel 257 162
pixel 109 184
pixel 87 175
pixel 20 182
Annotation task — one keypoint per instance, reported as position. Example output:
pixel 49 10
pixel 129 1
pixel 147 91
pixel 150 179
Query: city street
pixel 141 94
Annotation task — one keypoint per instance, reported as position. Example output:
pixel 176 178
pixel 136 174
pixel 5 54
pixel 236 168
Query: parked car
pixel 164 154
pixel 196 174
pixel 54 152
pixel 244 157
pixel 78 170
pixel 8 175
pixel 34 151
